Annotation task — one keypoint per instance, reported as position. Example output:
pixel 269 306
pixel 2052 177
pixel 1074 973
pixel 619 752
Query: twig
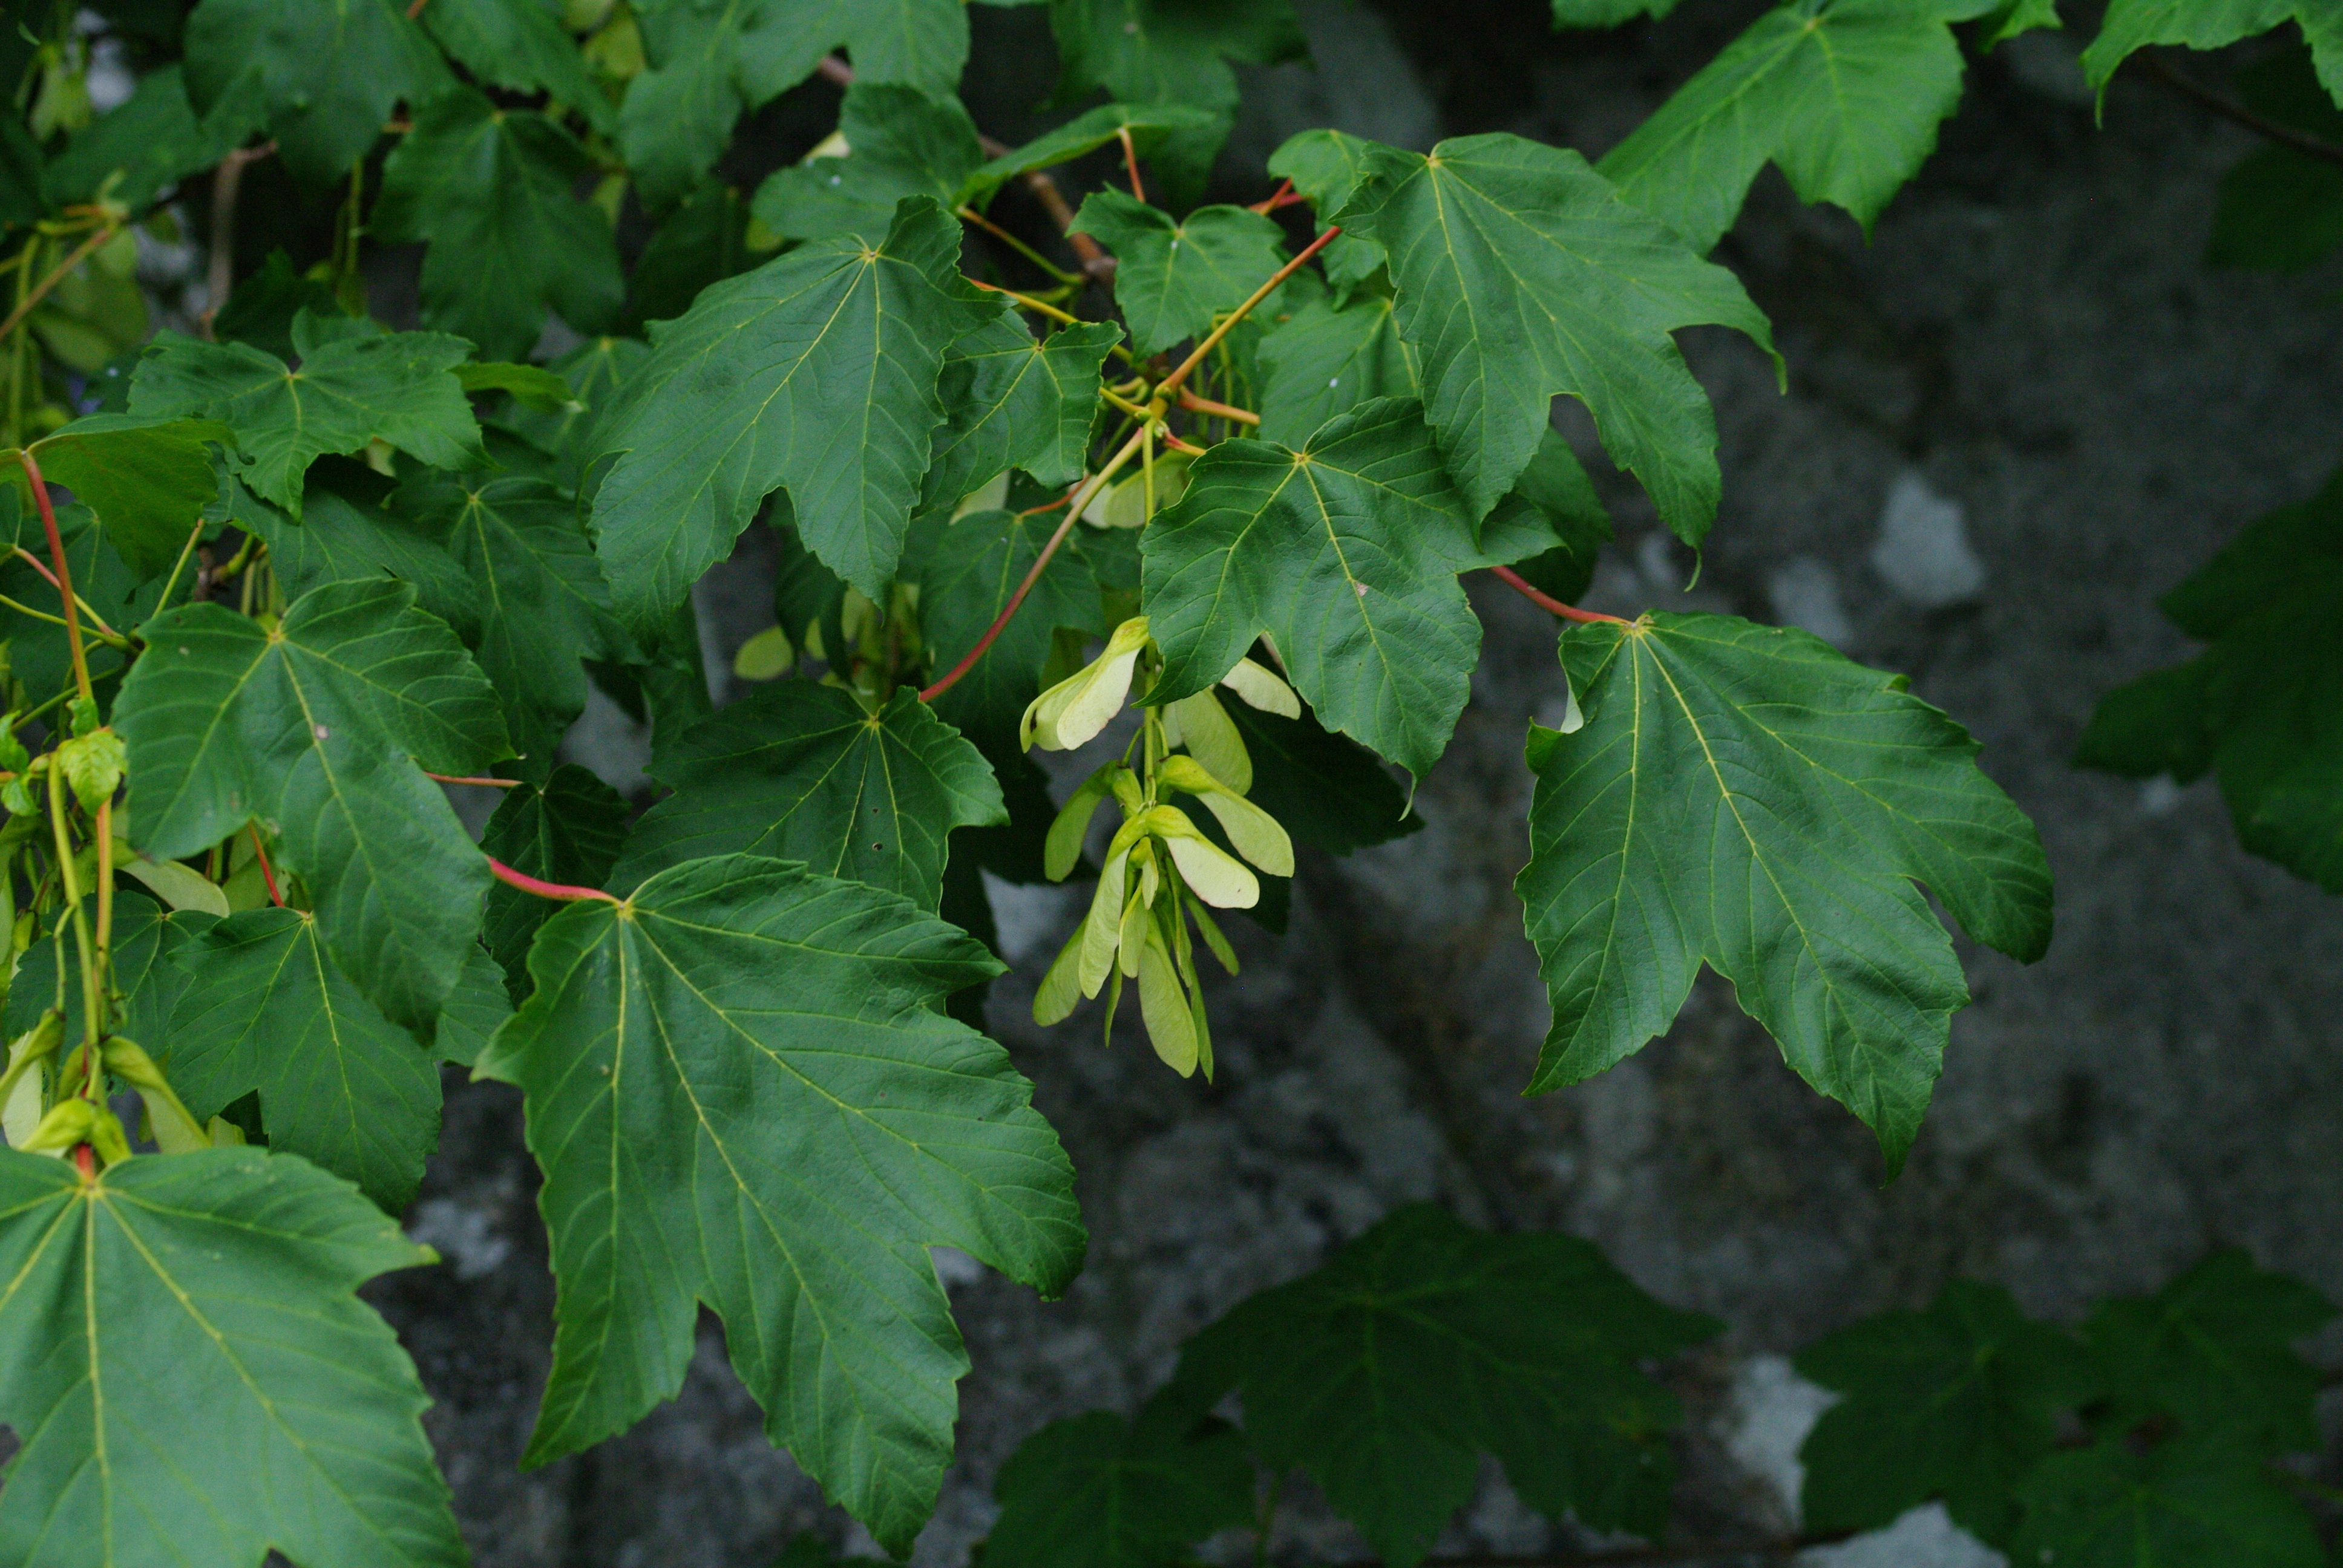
pixel 220 277
pixel 491 783
pixel 95 619
pixel 63 577
pixel 1080 499
pixel 2283 135
pixel 969 214
pixel 1130 162
pixel 1196 405
pixel 565 891
pixel 1276 199
pixel 1171 384
pixel 1546 601
pixel 267 871
pixel 79 254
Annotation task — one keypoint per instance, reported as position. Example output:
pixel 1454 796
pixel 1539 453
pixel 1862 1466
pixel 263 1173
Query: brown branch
pixel 2284 135
pixel 1096 263
pixel 226 181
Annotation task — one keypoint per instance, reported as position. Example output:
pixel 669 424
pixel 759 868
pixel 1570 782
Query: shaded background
pixel 2027 383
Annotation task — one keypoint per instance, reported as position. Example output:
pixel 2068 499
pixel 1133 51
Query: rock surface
pixel 2028 337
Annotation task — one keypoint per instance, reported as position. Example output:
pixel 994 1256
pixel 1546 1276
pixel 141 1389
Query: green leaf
pixel 966 578
pixel 346 533
pixel 2134 24
pixel 1607 13
pixel 2263 706
pixel 704 240
pixel 325 77
pixel 1175 277
pixel 489 190
pixel 804 772
pixel 1743 795
pixel 309 730
pixel 1326 167
pixel 1554 496
pixel 1328 359
pixel 1425 1344
pixel 2178 1506
pixel 1099 1492
pixel 1346 553
pixel 1171 52
pixel 147 479
pixel 1150 125
pixel 151 140
pixel 741 1094
pixel 193 1377
pixel 519 45
pixel 1520 274
pixel 1845 96
pixel 348 391
pixel 147 936
pixel 37 654
pixel 569 830
pixel 542 607
pixel 475 1009
pixel 1958 1402
pixel 23 192
pixel 817 373
pixel 1323 789
pixel 594 371
pixel 1014 403
pixel 2280 208
pixel 904 142
pixel 2215 1350
pixel 265 1010
pixel 262 310
pixel 712 59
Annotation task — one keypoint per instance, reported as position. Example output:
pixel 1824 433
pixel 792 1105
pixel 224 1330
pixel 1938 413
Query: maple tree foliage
pixel 1054 455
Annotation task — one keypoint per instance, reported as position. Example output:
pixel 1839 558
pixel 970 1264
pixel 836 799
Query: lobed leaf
pixel 741 1094
pixel 1746 796
pixel 1175 277
pixel 323 76
pixel 191 1377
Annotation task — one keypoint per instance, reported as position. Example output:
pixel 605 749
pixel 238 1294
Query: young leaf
pixel 2176 1505
pixel 804 772
pixel 1425 1343
pixel 349 390
pixel 2214 1348
pixel 902 142
pixel 325 77
pixel 1173 277
pixel 712 59
pixel 489 188
pixel 1346 554
pixel 1746 796
pixel 966 575
pixel 2134 24
pixel 743 395
pixel 264 1009
pixel 310 728
pixel 519 45
pixel 1521 273
pixel 151 140
pixel 1954 1403
pixel 1327 360
pixel 1844 95
pixel 1013 403
pixel 146 480
pixel 2262 708
pixel 741 1094
pixel 569 829
pixel 542 607
pixel 1099 1492
pixel 193 1377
